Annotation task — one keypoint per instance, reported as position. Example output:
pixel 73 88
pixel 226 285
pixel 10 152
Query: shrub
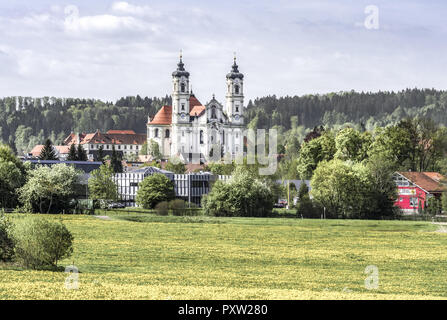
pixel 41 243
pixel 154 189
pixel 162 208
pixel 242 196
pixel 6 240
pixel 179 207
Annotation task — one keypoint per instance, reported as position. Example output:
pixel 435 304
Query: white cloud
pixel 123 7
pixel 103 24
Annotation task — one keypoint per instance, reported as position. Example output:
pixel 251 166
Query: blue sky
pixel 108 49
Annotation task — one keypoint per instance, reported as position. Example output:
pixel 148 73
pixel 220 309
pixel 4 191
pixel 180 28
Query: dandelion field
pixel 142 256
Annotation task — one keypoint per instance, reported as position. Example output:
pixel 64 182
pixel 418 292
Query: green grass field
pixel 142 256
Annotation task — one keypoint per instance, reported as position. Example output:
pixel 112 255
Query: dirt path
pixel 103 217
pixel 442 227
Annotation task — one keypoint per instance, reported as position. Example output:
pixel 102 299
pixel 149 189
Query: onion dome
pixel 180 72
pixel 235 72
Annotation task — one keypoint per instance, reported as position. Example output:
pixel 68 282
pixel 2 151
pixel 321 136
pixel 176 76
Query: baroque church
pixel 195 132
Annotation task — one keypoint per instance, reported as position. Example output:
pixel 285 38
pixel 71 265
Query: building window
pixel 237 108
pixel 413 202
pixel 156 133
pixel 136 147
pixel 236 89
pixel 91 146
pixel 182 87
pixel 213 113
pixel 183 107
pixel 119 147
pixel 201 136
pixel 183 133
pixel 167 133
pixel 125 147
pixel 130 147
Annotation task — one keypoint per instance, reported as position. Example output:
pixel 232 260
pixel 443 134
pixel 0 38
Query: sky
pixel 110 49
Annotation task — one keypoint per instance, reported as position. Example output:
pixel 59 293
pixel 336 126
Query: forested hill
pixel 25 122
pixel 366 109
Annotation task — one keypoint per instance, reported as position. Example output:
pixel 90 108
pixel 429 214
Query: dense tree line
pixel 365 109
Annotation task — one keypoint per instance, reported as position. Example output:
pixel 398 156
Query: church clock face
pixel 183 116
pixel 236 117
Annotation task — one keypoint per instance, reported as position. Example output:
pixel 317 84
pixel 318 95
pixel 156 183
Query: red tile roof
pixel 163 116
pixel 195 107
pixel 429 181
pixel 35 152
pixel 121 132
pixel 111 137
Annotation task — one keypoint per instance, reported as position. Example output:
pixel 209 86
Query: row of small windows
pixel 108 147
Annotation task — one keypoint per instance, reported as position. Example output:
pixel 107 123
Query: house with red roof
pixel 194 131
pixel 61 152
pixel 126 142
pixel 415 188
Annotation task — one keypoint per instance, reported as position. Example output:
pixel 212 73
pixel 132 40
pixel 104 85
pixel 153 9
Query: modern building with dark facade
pixel 189 187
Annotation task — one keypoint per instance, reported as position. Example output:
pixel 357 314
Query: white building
pixel 194 131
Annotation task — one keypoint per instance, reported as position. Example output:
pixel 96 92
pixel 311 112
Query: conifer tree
pixel 72 153
pixel 115 161
pixel 82 154
pixel 47 152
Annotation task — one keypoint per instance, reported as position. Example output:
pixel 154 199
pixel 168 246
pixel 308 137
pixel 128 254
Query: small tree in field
pixel 41 243
pixel 154 189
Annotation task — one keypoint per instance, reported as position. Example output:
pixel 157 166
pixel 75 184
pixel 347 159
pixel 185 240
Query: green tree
pixel 82 154
pixel 100 155
pixel 49 185
pixel 41 243
pixel 72 153
pixel 354 190
pixel 12 177
pixel 48 152
pixel 444 202
pixel 101 185
pixel 6 238
pixel 175 165
pixel 313 152
pixel 243 195
pixel 144 148
pixel 115 161
pixel 154 150
pixel 154 189
pixel 352 145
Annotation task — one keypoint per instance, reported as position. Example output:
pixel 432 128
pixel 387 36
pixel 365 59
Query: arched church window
pixel 236 89
pixel 182 87
pixel 183 107
pixel 213 113
pixel 167 133
pixel 201 136
pixel 156 133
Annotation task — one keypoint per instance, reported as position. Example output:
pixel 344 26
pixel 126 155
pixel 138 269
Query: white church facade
pixel 193 131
